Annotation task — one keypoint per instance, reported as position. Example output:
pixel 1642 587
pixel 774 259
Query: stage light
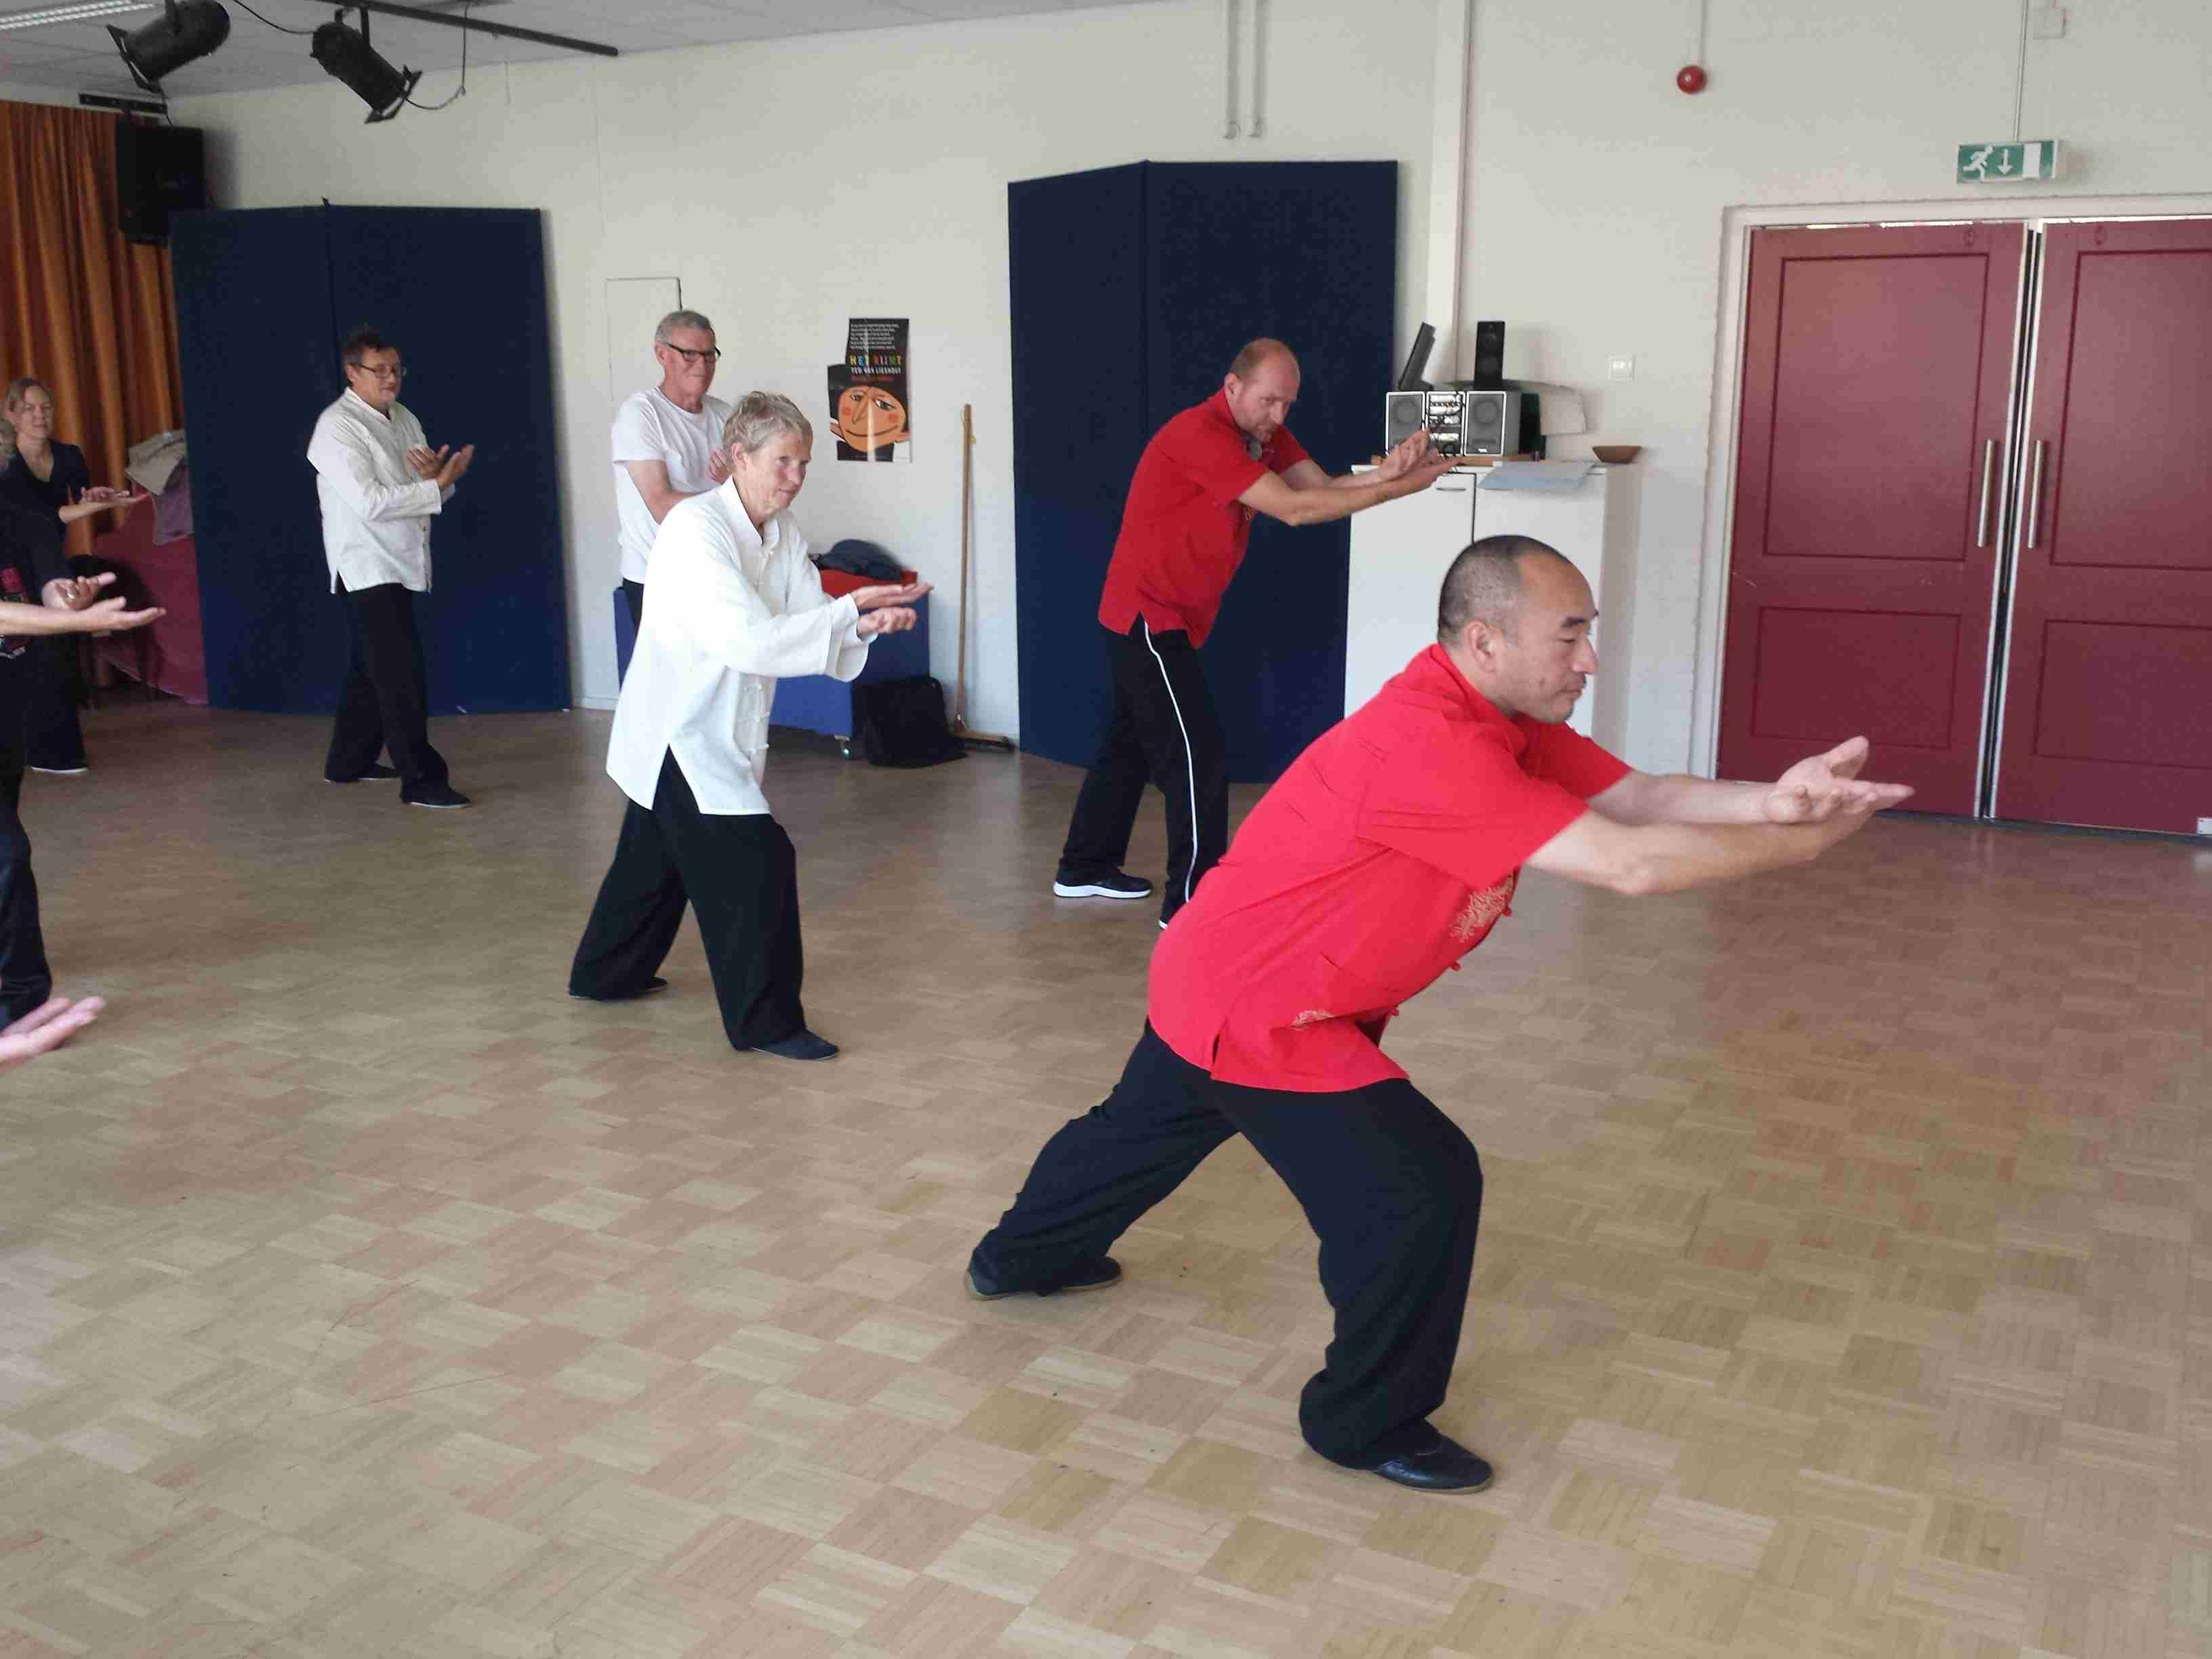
pixel 189 30
pixel 83 12
pixel 346 54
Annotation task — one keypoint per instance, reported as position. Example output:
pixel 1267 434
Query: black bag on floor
pixel 902 723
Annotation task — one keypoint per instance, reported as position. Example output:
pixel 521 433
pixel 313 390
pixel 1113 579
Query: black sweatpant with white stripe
pixel 1164 731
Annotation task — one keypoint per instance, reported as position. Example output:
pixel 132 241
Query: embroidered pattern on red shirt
pixel 1483 908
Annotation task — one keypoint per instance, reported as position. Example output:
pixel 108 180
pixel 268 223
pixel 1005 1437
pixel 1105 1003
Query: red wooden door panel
pixel 2108 688
pixel 1869 469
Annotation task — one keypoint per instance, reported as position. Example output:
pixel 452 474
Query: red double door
pixel 1968 590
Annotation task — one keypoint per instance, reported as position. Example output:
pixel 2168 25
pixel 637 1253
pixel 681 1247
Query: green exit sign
pixel 2004 164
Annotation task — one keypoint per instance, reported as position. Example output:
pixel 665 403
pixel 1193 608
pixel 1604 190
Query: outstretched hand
pixel 1820 786
pixel 874 598
pixel 425 462
pixel 886 619
pixel 109 616
pixel 47 1026
pixel 1415 449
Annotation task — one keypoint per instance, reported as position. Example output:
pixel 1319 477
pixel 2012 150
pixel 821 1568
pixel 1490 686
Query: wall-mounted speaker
pixel 159 170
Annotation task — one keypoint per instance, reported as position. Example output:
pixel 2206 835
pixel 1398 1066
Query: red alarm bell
pixel 1691 78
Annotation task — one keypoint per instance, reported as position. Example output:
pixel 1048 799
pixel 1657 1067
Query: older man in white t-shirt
pixel 668 443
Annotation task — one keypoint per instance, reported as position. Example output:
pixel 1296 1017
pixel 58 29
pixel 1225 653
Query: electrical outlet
pixel 2204 826
pixel 2047 23
pixel 1620 368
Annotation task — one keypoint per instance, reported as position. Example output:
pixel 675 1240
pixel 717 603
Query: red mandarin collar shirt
pixel 1183 531
pixel 1386 852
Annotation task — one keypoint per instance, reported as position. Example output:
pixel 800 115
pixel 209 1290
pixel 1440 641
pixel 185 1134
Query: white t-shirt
pixel 649 428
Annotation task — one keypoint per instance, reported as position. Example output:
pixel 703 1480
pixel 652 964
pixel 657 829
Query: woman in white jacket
pixel 736 606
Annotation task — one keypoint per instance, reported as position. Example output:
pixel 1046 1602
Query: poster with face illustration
pixel 868 400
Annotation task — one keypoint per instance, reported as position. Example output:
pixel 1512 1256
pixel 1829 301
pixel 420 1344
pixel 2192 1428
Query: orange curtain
pixel 88 313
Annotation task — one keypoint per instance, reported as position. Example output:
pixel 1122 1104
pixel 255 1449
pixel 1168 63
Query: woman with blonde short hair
pixel 736 606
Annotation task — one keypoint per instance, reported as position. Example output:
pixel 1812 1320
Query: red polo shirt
pixel 1183 529
pixel 1386 854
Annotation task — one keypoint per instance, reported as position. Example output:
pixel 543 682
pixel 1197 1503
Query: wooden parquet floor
pixel 1844 1289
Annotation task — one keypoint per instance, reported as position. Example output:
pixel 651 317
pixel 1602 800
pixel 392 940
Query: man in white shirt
pixel 380 483
pixel 667 443
pixel 736 604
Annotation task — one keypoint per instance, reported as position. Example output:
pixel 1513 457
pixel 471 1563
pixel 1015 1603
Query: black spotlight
pixel 191 29
pixel 346 53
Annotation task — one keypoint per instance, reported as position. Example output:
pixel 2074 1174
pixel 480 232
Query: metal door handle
pixel 1981 517
pixel 2035 495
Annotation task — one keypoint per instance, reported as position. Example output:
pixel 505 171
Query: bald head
pixel 1256 352
pixel 1485 583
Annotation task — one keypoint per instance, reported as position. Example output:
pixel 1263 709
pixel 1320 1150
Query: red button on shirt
pixel 1386 852
pixel 1183 529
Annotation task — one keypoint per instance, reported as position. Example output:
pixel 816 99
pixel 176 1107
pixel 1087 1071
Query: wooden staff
pixel 960 726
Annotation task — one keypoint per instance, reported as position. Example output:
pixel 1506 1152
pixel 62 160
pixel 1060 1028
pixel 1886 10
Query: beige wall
pixel 791 184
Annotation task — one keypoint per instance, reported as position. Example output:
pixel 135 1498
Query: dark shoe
pixel 435 794
pixel 1446 1466
pixel 374 774
pixel 1111 884
pixel 656 983
pixel 801 1045
pixel 1095 1274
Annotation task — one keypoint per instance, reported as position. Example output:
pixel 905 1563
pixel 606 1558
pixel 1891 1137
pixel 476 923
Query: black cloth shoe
pixel 435 794
pixel 1109 884
pixel 801 1045
pixel 656 983
pixel 1446 1466
pixel 1096 1274
pixel 374 774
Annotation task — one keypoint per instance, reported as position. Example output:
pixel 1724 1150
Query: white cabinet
pixel 1400 551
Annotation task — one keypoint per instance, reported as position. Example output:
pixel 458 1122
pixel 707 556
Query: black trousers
pixel 53 676
pixel 634 593
pixel 1390 1185
pixel 739 871
pixel 384 703
pixel 25 980
pixel 1164 731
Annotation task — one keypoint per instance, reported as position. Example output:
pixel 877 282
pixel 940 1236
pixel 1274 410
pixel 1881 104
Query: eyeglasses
pixel 397 371
pixel 712 354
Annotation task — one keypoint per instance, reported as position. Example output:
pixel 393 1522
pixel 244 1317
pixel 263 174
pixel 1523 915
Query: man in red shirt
pixel 1197 487
pixel 1388 851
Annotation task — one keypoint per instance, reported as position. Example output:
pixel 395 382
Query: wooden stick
pixel 960 726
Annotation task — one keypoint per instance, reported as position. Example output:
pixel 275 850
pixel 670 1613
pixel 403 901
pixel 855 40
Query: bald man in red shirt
pixel 1386 852
pixel 1200 482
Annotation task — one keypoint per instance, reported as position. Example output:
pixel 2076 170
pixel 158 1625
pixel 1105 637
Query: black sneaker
pixel 801 1045
pixel 656 983
pixel 374 774
pixel 1096 1274
pixel 1113 885
pixel 435 794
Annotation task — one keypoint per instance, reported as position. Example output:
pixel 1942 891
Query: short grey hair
pixel 665 330
pixel 1485 582
pixel 760 418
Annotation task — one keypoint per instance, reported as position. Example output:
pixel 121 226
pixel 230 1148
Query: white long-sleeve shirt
pixel 729 611
pixel 376 513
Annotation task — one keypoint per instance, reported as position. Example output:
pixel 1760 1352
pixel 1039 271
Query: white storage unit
pixel 1400 551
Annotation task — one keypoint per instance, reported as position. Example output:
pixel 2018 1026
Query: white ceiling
pixel 81 57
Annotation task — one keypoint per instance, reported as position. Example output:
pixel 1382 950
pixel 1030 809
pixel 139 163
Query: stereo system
pixel 1481 416
pixel 1464 423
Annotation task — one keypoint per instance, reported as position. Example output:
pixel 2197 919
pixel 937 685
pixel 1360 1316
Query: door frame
pixel 1718 535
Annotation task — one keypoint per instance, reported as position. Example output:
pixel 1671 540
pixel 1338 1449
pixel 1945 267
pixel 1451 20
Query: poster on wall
pixel 868 399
